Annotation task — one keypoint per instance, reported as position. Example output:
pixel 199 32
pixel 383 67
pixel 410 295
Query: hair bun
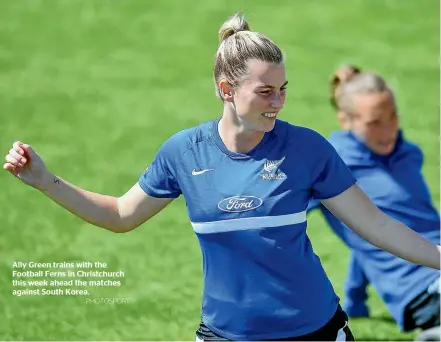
pixel 343 74
pixel 233 25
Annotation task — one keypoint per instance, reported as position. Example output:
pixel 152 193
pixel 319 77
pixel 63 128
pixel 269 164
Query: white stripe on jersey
pixel 248 223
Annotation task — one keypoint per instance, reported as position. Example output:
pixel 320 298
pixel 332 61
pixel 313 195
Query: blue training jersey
pixel 396 185
pixel 262 279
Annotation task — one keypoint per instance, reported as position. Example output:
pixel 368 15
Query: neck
pixel 235 136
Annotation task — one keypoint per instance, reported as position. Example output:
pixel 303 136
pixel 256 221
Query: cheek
pixel 247 104
pixel 256 103
pixel 367 135
pixel 360 130
pixel 374 134
pixel 283 98
pixel 396 126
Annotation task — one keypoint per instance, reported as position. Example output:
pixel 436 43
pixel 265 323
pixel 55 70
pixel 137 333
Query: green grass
pixel 97 86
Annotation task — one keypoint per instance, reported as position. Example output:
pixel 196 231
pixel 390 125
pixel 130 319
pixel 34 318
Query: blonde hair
pixel 238 44
pixel 349 80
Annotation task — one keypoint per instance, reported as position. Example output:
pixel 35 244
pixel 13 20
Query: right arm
pixel 117 214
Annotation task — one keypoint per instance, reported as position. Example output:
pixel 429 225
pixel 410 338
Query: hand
pixel 25 164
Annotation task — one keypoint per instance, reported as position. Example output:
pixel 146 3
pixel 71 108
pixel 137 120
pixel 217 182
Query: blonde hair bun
pixel 234 24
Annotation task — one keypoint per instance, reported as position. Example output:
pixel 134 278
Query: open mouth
pixel 269 115
pixel 386 143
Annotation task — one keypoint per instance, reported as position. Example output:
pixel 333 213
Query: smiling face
pixel 374 121
pixel 260 95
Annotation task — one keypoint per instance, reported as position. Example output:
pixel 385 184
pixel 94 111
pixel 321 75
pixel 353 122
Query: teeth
pixel 269 115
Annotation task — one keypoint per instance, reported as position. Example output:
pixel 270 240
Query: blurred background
pixel 96 86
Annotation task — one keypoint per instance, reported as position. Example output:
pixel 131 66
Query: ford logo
pixel 237 204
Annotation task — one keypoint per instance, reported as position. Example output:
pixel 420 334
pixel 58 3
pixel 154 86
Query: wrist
pixel 47 181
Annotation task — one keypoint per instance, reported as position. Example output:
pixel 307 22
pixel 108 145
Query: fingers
pixel 14 161
pixel 8 167
pixel 17 146
pixel 15 157
pixel 27 149
pixel 13 153
pixel 11 169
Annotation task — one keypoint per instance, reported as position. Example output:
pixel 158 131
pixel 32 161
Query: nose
pixel 277 100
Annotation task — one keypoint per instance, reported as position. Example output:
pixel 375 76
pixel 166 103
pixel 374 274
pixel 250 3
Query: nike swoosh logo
pixel 195 173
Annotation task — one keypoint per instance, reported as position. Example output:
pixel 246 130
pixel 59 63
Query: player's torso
pixel 217 187
pixel 397 186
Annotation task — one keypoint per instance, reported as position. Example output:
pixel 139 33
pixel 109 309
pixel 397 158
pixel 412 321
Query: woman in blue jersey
pixel 247 179
pixel 388 169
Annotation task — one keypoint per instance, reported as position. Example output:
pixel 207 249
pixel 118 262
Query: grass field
pixel 97 86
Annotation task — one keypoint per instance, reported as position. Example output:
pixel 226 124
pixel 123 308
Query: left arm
pixel 358 212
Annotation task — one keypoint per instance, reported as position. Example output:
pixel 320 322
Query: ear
pixel 344 119
pixel 226 91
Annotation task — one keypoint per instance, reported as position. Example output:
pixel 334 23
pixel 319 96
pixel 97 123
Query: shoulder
pixel 350 149
pixel 306 141
pixel 326 172
pixel 409 152
pixel 185 139
pixel 300 135
pixel 411 148
pixel 343 140
pixel 309 148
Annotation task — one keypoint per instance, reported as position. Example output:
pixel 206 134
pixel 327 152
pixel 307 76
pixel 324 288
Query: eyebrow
pixel 270 86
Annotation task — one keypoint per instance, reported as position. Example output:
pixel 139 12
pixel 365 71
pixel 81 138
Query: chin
pixel 267 126
pixel 385 151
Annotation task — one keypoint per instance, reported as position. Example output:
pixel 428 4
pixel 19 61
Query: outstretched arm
pixel 358 212
pixel 117 214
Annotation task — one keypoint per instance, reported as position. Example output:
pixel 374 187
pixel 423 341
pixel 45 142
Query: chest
pixel 222 188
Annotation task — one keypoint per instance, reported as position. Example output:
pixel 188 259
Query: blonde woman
pixel 247 178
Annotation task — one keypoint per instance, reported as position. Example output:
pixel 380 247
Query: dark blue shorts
pixel 336 329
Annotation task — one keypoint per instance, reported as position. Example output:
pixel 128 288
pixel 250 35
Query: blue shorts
pixel 336 329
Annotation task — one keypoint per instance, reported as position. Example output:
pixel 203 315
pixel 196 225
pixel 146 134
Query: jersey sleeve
pixel 159 179
pixel 330 176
